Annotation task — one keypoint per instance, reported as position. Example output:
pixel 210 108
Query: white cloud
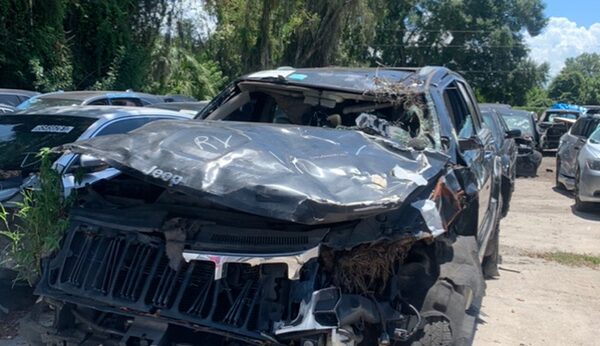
pixel 563 39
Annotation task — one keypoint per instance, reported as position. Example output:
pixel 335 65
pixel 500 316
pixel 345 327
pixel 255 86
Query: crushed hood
pixel 301 174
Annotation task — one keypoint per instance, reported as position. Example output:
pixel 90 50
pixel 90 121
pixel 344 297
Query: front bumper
pixel 589 185
pixel 528 163
pixel 255 300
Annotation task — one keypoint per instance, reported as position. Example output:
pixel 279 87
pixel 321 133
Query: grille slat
pixel 107 271
pixel 132 269
pixel 165 287
pixel 75 277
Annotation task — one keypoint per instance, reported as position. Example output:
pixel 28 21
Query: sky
pixel 573 28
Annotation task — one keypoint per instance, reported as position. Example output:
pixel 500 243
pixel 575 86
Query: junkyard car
pixel 506 149
pixel 528 157
pixel 552 130
pixel 13 97
pixel 26 132
pixel 578 161
pixel 90 98
pixel 309 207
pixel 192 108
pixel 4 109
pixel 179 98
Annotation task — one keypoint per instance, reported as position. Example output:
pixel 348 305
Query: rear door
pixel 572 142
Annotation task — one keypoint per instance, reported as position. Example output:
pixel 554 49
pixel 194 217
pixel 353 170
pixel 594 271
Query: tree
pixel 153 45
pixel 114 36
pixel 481 39
pixel 567 87
pixel 588 64
pixel 538 98
pixel 315 43
pixel 578 81
pixel 34 51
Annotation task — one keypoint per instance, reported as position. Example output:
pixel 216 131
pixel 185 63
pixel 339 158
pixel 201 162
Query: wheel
pixel 436 333
pixel 492 256
pixel 558 184
pixel 452 303
pixel 579 204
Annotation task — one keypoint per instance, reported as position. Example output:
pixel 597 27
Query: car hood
pixel 301 174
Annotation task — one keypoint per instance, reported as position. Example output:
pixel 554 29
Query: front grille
pixel 131 271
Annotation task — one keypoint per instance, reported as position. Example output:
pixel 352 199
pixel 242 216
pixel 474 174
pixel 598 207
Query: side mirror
pixel 515 133
pixel 471 143
pixel 91 163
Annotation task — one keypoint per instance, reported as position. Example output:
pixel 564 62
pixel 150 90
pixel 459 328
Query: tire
pixel 435 334
pixel 460 282
pixel 579 204
pixel 557 183
pixel 492 256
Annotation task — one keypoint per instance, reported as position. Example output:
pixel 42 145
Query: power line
pixel 441 30
pixel 444 46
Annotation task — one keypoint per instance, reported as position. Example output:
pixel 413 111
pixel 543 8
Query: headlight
pixel 594 165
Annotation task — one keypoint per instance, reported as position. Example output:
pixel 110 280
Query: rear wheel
pixel 557 182
pixel 492 256
pixel 579 204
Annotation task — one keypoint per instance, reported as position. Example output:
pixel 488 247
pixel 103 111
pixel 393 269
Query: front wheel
pixel 451 304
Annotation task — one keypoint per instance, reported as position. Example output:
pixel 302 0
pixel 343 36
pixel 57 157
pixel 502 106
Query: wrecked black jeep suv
pixel 306 207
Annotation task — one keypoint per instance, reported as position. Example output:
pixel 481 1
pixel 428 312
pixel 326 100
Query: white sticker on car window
pixel 52 128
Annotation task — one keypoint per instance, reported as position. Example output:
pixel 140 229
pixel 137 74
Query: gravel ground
pixel 536 302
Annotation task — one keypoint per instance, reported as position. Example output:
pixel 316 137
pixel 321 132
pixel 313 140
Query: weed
pixel 38 223
pixel 570 259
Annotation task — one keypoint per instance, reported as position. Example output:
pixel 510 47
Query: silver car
pixel 23 134
pixel 578 161
pixel 90 98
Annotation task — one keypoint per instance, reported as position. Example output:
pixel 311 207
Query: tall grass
pixel 39 222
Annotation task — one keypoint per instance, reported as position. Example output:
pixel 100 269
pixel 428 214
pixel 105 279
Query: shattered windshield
pixel 519 122
pixel 394 113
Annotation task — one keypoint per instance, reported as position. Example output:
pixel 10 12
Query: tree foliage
pixel 157 45
pixel 579 81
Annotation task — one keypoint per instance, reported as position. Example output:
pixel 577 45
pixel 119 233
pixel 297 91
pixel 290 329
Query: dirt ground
pixel 537 302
